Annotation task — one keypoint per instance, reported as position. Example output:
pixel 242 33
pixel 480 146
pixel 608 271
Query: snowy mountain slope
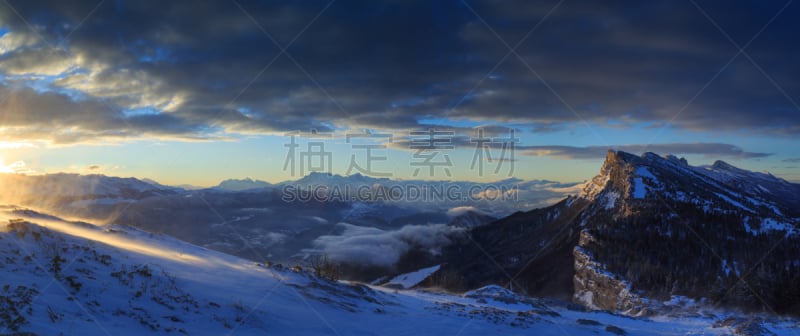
pixel 759 186
pixel 409 280
pixel 68 278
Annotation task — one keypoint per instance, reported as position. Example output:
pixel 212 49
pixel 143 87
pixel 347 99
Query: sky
pixel 188 92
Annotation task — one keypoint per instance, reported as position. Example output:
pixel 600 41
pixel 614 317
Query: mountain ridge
pixel 644 228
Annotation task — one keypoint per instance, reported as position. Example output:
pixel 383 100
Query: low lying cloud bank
pixel 376 247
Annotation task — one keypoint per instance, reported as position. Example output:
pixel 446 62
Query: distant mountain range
pixel 251 218
pixel 242 184
pixel 101 197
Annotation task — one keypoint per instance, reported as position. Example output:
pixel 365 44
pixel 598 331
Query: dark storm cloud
pixel 599 152
pixel 215 67
pixel 28 114
pixel 493 136
pixel 645 62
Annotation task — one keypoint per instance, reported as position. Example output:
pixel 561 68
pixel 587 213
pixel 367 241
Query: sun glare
pixel 12 168
pixel 4 168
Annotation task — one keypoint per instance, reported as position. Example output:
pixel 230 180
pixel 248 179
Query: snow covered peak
pixel 722 165
pixel 328 179
pixel 631 177
pixel 676 160
pixel 650 156
pixel 725 172
pixel 244 184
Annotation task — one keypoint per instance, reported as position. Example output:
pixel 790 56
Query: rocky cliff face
pixel 594 286
pixel 597 288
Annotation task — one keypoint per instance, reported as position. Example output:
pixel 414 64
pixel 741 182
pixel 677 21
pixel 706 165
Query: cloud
pixel 94 169
pixel 317 219
pixel 491 136
pixel 372 246
pixel 458 211
pixel 599 152
pixel 28 115
pixel 16 167
pixel 41 62
pixel 16 145
pixel 791 160
pixel 199 71
pixel 12 41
